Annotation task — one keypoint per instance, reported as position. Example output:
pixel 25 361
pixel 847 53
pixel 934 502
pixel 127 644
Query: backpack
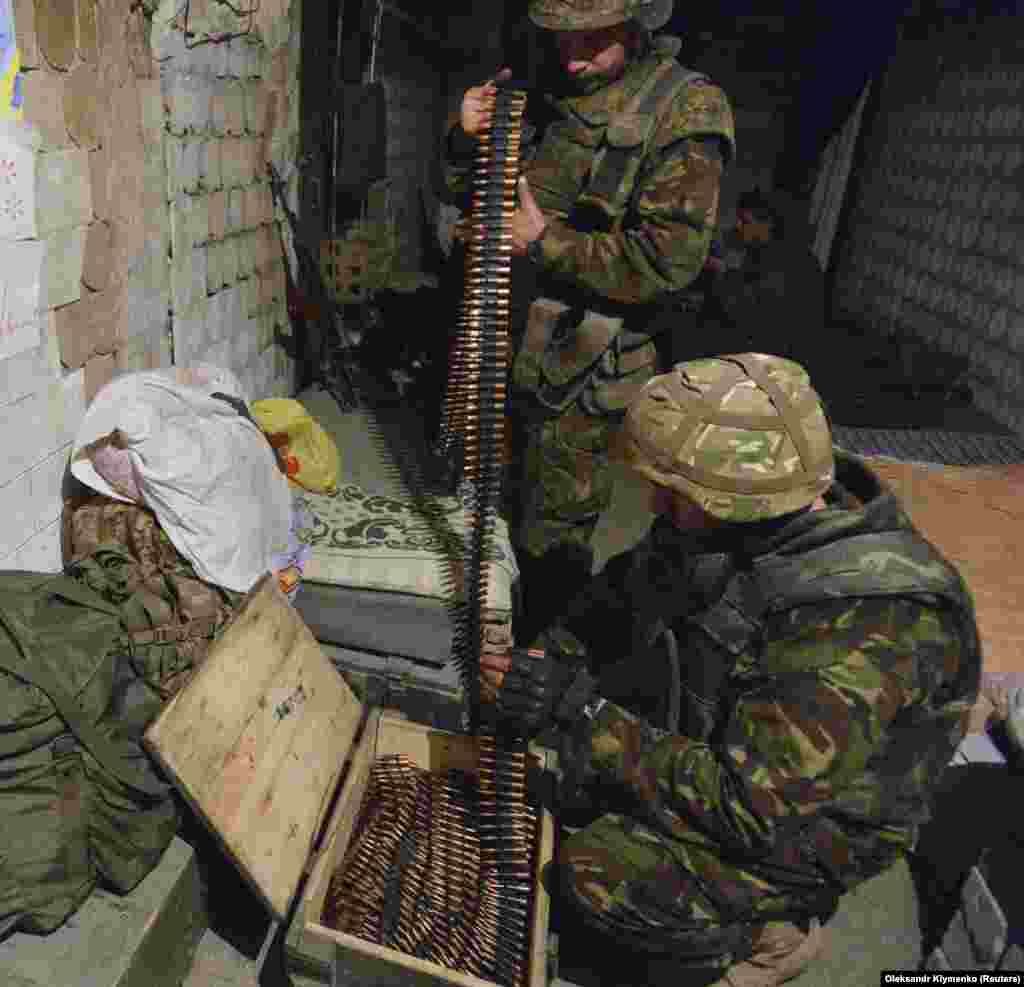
pixel 80 802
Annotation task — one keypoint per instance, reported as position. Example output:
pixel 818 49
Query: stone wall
pixel 136 225
pixel 227 108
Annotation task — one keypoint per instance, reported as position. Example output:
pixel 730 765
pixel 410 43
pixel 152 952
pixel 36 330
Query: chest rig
pixel 591 169
pixel 622 141
pixel 724 613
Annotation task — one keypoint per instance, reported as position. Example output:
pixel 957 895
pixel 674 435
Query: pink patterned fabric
pixel 115 466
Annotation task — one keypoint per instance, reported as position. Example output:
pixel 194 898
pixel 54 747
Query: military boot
pixel 782 951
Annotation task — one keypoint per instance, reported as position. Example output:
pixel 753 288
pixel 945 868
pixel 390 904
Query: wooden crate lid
pixel 257 740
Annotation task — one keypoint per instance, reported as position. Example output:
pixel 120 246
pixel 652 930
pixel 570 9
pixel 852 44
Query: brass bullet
pixel 490 150
pixel 488 142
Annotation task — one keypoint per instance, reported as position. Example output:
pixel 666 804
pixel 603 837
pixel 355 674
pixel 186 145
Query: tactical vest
pixel 885 557
pixel 569 353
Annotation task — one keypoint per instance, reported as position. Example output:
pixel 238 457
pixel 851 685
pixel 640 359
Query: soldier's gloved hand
pixel 528 690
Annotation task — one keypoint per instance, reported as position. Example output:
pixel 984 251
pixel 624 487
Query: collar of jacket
pixel 597 108
pixel 881 511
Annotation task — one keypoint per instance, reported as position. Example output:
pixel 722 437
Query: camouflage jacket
pixel 652 240
pixel 834 726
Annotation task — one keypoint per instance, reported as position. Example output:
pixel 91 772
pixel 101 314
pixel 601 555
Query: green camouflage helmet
pixel 743 436
pixel 590 15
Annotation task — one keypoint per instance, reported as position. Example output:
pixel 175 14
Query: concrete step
pixel 875 928
pixel 143 939
pixel 218 964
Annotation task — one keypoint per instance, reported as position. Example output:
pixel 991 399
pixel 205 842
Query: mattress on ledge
pixel 386 573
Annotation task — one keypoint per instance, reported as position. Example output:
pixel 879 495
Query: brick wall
pixel 226 109
pixel 136 229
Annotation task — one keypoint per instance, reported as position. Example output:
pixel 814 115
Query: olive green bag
pixel 80 802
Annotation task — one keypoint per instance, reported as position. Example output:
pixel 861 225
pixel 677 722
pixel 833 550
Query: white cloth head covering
pixel 207 473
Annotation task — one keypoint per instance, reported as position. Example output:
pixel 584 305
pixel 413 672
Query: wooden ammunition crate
pixel 259 742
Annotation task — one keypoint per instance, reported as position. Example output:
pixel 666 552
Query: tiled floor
pixel 975 517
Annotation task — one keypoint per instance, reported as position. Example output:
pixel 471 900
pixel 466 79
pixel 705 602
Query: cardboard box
pixel 259 742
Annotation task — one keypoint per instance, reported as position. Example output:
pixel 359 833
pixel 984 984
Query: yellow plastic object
pixel 308 452
pixel 9 68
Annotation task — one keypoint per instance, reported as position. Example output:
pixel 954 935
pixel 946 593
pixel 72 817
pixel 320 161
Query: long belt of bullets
pixel 473 422
pixel 440 871
pixel 434 871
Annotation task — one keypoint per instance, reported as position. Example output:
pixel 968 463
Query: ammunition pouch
pixel 560 349
pixel 613 177
pixel 620 374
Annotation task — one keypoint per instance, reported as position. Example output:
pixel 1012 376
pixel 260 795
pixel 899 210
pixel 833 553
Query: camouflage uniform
pixel 611 258
pixel 838 658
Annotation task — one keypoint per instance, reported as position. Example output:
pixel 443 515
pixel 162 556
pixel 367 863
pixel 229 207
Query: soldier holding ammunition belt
pixel 621 166
pixel 827 661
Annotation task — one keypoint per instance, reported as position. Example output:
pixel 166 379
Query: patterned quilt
pixel 369 541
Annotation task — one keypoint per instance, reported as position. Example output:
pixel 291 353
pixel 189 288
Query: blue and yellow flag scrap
pixel 10 66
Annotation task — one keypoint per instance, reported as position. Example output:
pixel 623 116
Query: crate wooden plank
pixel 434 750
pixel 437 751
pixel 349 803
pixel 538 959
pixel 257 740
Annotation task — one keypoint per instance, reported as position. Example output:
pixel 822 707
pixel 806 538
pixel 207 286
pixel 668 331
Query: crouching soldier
pixel 828 657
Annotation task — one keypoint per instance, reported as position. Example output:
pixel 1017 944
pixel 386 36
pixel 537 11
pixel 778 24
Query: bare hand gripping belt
pixel 439 867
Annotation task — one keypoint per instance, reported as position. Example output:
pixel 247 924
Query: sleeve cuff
pixel 555 244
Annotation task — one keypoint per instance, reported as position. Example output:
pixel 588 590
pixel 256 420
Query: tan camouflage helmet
pixel 591 15
pixel 743 436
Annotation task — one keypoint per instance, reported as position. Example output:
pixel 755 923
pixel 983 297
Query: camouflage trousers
pixel 653 894
pixel 676 898
pixel 561 479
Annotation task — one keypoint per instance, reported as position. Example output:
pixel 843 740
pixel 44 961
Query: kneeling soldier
pixel 828 657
